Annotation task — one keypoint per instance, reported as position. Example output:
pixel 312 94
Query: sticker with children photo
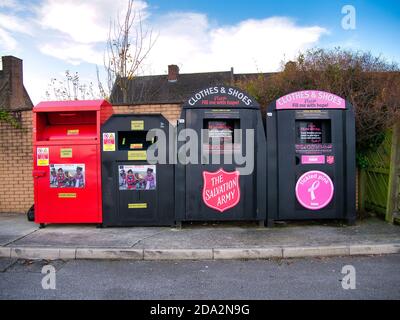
pixel 67 175
pixel 139 177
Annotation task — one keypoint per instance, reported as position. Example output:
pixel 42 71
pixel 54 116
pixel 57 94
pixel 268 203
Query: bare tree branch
pixel 128 45
pixel 71 88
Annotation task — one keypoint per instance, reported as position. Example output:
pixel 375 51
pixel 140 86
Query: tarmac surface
pixel 376 277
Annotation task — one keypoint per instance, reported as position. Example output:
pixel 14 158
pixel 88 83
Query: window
pixel 221 133
pixel 313 131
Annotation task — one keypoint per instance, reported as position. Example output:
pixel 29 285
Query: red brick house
pixel 166 93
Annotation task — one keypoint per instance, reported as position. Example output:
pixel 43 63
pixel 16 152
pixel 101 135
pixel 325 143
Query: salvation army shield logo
pixel 221 190
pixel 330 159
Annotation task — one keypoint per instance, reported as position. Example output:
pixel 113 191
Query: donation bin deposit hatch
pixel 66 139
pixel 223 174
pixel 136 192
pixel 311 157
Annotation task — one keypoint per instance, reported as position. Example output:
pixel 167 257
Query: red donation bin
pixel 67 167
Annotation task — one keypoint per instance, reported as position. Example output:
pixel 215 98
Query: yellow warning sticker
pixel 42 157
pixel 137 205
pixel 72 132
pixel 137 155
pixel 137 125
pixel 109 141
pixel 136 146
pixel 66 153
pixel 67 195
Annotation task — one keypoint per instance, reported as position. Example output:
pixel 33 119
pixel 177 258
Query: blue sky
pixel 52 36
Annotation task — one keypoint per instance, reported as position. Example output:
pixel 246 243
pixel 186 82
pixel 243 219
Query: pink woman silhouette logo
pixel 313 187
pixel 314 190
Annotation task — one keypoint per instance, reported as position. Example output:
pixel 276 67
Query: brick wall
pixel 16 183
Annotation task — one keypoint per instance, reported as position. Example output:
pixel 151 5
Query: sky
pixel 52 36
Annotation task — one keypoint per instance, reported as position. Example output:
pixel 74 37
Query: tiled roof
pixel 157 89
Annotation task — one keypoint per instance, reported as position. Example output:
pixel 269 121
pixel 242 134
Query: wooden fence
pixel 378 188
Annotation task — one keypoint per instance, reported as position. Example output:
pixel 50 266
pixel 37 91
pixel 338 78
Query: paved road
pixel 376 278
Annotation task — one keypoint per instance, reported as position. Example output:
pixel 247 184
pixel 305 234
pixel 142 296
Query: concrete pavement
pixel 22 239
pixel 376 277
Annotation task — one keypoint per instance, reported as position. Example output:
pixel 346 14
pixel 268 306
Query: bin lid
pixel 73 105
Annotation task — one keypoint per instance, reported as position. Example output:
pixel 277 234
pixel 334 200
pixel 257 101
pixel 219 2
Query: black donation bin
pixel 220 173
pixel 138 187
pixel 311 157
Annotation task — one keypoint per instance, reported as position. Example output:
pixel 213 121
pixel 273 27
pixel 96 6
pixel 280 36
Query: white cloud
pixel 83 21
pixel 7 42
pixel 14 24
pixel 79 21
pixel 189 40
pixel 12 5
pixel 79 26
pixel 75 31
pixel 36 86
pixel 73 53
pixel 9 26
pixel 185 38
